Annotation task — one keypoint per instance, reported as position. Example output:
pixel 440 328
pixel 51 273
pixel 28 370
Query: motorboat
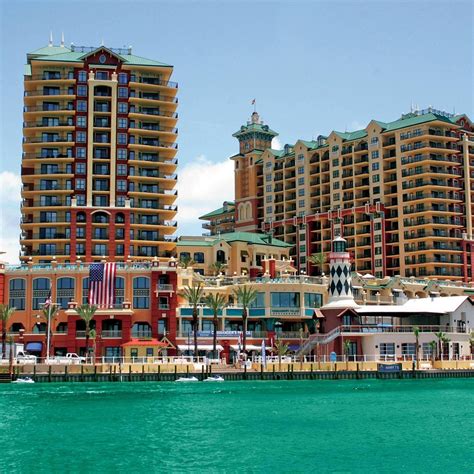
pixel 187 379
pixel 214 378
pixel 24 380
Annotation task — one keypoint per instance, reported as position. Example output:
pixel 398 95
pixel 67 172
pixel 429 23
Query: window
pixel 80 152
pixel 336 185
pixel 269 198
pixel 122 138
pixel 408 348
pixel 119 290
pixel 335 162
pixel 80 168
pixel 17 293
pixel 123 92
pixel 268 177
pixel 81 199
pixel 300 157
pixel 121 185
pixel 300 181
pixel 81 106
pixel 268 188
pixel 81 90
pixel 120 201
pixel 374 140
pixel 41 288
pixel 268 164
pixel 376 178
pixel 376 189
pixel 198 257
pixel 301 192
pixel 122 170
pixel 65 291
pixel 259 301
pixel 81 121
pixel 301 203
pixel 81 137
pixel 122 123
pixel 285 300
pixel 121 154
pixel 375 166
pixel 122 107
pixel 336 196
pixel 301 170
pixel 313 300
pixel 269 209
pixel 387 349
pixel 85 290
pixel 375 154
pixel 141 293
pixel 80 184
pixel 122 78
pixel 82 76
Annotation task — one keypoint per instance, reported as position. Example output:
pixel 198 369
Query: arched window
pixel 198 257
pixel 249 211
pixel 65 291
pixel 41 288
pixel 101 218
pixel 17 294
pixel 61 328
pixel 15 327
pixel 39 328
pixel 141 293
pixel 220 256
pixel 119 290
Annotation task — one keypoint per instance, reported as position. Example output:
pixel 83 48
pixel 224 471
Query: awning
pixel 201 347
pixel 294 347
pixel 34 346
pixel 318 314
pixel 248 347
pixel 145 342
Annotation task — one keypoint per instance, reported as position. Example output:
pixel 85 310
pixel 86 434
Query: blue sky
pixel 312 66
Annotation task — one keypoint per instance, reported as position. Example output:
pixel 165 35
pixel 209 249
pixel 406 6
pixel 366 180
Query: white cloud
pixel 202 187
pixel 10 197
pixel 276 144
pixel 356 125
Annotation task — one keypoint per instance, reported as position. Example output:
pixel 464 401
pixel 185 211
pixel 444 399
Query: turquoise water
pixel 289 426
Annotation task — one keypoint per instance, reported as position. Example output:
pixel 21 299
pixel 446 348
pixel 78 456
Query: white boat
pixel 187 379
pixel 215 378
pixel 24 380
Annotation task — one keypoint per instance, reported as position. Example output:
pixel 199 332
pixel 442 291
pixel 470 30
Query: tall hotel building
pixel 99 156
pixel 401 193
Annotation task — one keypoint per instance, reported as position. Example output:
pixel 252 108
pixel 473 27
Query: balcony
pixel 50 92
pixel 154 81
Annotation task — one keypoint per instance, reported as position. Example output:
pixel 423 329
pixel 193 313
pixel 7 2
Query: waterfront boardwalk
pixel 289 371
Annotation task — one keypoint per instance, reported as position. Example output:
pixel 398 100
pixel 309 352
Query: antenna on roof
pixel 50 38
pixel 62 39
pixel 102 42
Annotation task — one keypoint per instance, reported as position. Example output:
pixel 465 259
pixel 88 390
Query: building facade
pixel 401 193
pixel 145 306
pixel 220 221
pixel 99 156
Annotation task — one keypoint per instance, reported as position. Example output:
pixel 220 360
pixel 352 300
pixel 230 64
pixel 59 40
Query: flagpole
pixel 48 336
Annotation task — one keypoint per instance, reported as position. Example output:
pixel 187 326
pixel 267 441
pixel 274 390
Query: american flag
pixel 253 101
pixel 102 284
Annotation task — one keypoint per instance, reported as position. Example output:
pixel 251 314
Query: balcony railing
pixel 376 328
pixel 49 93
pixel 153 81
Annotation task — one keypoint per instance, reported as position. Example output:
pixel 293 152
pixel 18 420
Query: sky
pixel 312 67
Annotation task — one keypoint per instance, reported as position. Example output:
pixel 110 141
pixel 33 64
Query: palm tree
pixel 282 349
pixel 217 267
pixel 433 350
pixel 5 314
pixel 193 295
pixel 347 349
pixel 93 336
pixel 216 303
pixel 416 333
pixel 86 312
pixel 440 335
pixel 446 340
pixel 471 342
pixel 245 295
pixel 49 315
pixel 186 261
pixel 318 260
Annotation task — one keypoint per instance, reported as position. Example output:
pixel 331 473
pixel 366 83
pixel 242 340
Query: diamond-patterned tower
pixel 340 287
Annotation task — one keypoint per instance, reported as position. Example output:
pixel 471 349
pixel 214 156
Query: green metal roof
pixel 352 135
pixel 276 152
pixel 415 120
pixel 219 211
pixel 248 237
pixel 63 54
pixel 255 127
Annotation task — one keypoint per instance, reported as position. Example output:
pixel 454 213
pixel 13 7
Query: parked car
pixel 70 358
pixel 23 357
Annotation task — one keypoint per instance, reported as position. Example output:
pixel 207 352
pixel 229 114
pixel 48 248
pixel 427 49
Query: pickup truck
pixel 23 357
pixel 70 358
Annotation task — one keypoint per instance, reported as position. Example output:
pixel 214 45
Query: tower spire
pixel 62 39
pixel 50 43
